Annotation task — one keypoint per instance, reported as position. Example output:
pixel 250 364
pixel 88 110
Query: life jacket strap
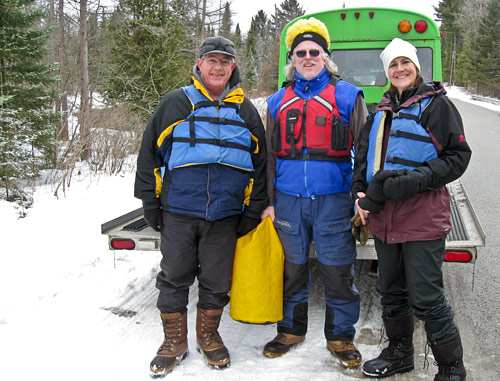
pixel 406 116
pixel 216 103
pixel 218 142
pixel 411 136
pixel 398 160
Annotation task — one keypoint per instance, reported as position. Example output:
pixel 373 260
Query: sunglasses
pixel 312 53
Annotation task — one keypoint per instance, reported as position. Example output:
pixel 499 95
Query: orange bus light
pixel 404 26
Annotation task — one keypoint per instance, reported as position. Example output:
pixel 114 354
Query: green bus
pixel 358 36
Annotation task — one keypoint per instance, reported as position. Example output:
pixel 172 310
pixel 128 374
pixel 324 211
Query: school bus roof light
pixel 421 26
pixel 404 26
pixel 356 14
pixel 371 14
pixel 342 15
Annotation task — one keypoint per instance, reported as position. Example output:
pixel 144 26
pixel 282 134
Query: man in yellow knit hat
pixel 312 124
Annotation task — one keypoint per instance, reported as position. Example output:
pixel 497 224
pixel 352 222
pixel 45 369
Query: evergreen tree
pixel 151 54
pixel 286 12
pixel 488 51
pixel 448 12
pixel 227 23
pixel 27 121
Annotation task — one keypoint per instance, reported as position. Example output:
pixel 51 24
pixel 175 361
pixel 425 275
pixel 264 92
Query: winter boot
pixel 346 352
pixel 448 354
pixel 208 339
pixel 281 344
pixel 174 348
pixel 398 356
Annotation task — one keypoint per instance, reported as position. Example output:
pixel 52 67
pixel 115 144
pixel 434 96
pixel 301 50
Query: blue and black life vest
pixel 213 133
pixel 311 129
pixel 409 146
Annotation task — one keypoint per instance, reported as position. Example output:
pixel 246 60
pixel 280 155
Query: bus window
pixel 363 67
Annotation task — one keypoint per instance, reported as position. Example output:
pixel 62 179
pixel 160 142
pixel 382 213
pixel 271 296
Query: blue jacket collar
pixel 309 88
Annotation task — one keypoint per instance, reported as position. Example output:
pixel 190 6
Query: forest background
pixel 79 79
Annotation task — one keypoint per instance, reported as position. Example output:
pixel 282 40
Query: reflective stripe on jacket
pixel 311 129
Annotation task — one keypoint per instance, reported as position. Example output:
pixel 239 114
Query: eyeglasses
pixel 212 61
pixel 312 53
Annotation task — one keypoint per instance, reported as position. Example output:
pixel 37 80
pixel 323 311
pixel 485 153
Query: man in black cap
pixel 201 178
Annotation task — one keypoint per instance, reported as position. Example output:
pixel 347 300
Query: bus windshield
pixel 363 67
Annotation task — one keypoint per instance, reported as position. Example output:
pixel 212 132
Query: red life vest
pixel 314 124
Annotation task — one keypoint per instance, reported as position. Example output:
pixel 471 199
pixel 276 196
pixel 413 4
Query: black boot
pixel 398 356
pixel 448 354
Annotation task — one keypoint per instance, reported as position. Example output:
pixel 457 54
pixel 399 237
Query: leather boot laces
pixel 172 331
pixel 209 332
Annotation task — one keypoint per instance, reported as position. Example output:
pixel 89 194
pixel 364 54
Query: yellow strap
pixel 378 144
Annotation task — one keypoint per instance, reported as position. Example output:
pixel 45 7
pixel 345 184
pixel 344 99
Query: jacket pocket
pixel 340 136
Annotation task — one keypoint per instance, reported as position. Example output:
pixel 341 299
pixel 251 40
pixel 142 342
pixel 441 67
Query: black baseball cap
pixel 217 44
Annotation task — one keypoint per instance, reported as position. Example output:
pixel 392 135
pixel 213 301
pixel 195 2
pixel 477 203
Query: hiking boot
pixel 174 348
pixel 398 356
pixel 346 352
pixel 209 342
pixel 448 354
pixel 281 344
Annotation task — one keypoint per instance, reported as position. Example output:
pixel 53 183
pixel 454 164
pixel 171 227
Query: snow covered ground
pixel 72 309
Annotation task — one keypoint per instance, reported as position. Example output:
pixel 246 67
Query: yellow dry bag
pixel 257 283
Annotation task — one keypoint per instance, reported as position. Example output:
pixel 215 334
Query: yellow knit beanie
pixel 307 29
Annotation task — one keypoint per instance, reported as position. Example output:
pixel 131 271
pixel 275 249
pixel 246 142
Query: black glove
pixel 408 183
pixel 154 218
pixel 372 206
pixel 246 224
pixel 375 190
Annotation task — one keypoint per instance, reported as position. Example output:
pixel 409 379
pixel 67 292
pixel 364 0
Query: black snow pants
pixel 192 248
pixel 411 280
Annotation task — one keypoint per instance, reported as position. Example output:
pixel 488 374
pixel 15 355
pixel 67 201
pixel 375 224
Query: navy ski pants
pixel 326 220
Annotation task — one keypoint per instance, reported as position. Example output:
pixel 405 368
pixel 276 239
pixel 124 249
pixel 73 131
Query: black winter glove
pixel 154 218
pixel 408 183
pixel 246 224
pixel 372 206
pixel 375 190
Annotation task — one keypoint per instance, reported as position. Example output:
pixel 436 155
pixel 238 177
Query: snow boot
pixel 346 352
pixel 398 356
pixel 209 342
pixel 174 348
pixel 448 354
pixel 281 344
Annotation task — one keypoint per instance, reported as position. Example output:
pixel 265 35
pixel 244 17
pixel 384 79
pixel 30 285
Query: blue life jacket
pixel 409 146
pixel 212 133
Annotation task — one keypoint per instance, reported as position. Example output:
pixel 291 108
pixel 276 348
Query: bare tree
pixel 62 132
pixel 84 81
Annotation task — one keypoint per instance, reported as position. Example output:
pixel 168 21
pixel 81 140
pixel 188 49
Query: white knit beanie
pixel 398 48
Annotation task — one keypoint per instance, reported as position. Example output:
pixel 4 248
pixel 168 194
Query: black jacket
pixel 210 191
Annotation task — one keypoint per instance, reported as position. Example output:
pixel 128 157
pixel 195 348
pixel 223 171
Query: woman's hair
pixel 289 69
pixel 418 82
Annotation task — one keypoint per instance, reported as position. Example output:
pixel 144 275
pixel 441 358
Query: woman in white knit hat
pixel 408 151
